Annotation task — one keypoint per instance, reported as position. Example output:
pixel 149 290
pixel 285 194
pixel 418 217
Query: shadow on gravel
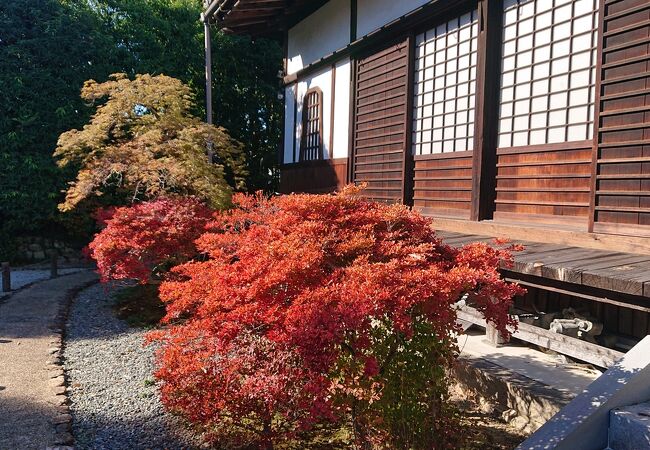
pixel 25 424
pixel 99 432
pixel 33 312
pixel 114 399
pixel 80 328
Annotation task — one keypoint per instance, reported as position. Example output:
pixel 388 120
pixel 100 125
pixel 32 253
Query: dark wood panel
pixel 443 185
pixel 616 319
pixel 314 177
pixel 380 113
pixel 546 184
pixel 622 163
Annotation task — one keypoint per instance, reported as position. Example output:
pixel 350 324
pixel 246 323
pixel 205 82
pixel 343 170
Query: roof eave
pixel 258 17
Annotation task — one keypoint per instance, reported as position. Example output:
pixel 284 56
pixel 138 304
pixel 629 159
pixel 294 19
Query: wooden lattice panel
pixel 381 105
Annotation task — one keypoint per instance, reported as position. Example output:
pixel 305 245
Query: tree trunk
pixel 267 441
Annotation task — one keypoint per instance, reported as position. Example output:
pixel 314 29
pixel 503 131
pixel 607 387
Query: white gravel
pixel 115 402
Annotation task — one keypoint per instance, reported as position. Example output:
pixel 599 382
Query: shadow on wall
pixel 314 177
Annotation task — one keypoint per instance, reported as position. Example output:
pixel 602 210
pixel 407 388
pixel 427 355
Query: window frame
pixel 418 130
pixel 311 152
pixel 540 114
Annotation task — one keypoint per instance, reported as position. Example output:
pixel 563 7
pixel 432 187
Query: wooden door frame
pixel 486 118
pixel 597 109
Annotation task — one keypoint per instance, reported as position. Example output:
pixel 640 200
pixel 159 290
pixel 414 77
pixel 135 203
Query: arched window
pixel 311 147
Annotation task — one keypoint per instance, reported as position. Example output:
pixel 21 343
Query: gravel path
pixel 33 414
pixel 115 402
pixel 20 277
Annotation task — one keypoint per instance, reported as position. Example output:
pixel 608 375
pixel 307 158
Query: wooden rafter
pixel 258 17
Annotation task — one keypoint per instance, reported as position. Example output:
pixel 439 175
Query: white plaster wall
pixel 372 14
pixel 342 110
pixel 326 30
pixel 323 81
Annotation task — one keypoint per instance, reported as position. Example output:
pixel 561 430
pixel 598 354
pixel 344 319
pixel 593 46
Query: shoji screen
pixel 445 86
pixel 547 111
pixel 549 75
pixel 443 116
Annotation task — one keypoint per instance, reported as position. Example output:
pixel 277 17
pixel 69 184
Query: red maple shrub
pixel 141 241
pixel 313 309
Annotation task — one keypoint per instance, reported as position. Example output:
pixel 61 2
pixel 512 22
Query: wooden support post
pixel 353 20
pixel 54 268
pixel 408 173
pixel 595 152
pixel 487 109
pixel 6 277
pixel 208 69
pixel 354 62
pixel 208 82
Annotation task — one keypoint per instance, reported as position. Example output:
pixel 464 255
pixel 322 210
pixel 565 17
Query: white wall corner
pixel 321 33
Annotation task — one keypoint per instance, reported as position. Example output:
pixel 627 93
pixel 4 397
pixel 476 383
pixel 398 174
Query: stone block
pixel 584 423
pixel 629 428
pixel 493 336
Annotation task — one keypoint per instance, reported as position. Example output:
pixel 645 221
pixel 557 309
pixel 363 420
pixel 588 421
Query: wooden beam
pixel 208 71
pixel 548 234
pixel 515 279
pixel 566 345
pixel 487 109
pixel 332 109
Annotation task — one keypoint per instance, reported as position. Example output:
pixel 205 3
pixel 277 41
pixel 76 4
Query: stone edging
pixel 58 381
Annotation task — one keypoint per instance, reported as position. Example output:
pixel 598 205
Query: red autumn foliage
pixel 303 307
pixel 142 239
